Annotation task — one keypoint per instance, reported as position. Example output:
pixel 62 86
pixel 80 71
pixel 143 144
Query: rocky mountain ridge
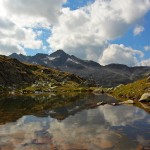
pixel 106 76
pixel 15 74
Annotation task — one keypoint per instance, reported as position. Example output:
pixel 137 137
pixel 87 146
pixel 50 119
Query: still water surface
pixel 73 122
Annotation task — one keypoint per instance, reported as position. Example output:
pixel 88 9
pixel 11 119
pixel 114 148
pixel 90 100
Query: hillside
pixel 106 76
pixel 15 75
pixel 132 91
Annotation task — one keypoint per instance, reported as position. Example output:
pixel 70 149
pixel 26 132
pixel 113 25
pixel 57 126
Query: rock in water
pixel 98 91
pixel 145 97
pixel 127 102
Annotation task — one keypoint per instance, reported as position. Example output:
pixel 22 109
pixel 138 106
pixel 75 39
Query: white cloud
pixel 28 12
pixel 15 39
pixel 30 40
pixel 145 62
pixel 6 24
pixel 147 48
pixel 7 49
pixel 16 32
pixel 120 54
pixel 115 118
pixel 138 30
pixel 2 9
pixel 86 31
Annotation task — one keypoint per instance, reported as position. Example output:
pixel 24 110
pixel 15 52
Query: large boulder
pixel 145 97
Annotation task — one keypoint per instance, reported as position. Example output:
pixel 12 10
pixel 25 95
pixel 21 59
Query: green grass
pixel 131 91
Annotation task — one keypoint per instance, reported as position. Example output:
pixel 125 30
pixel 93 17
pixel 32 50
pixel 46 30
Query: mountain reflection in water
pixel 78 127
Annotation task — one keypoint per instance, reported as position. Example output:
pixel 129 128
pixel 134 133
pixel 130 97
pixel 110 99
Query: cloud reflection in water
pixel 93 129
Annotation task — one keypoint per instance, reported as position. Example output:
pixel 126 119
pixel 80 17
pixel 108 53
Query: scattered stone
pixel 101 103
pixel 109 89
pixel 120 85
pixel 127 102
pixel 93 105
pixel 148 79
pixel 145 97
pixel 114 104
pixel 98 91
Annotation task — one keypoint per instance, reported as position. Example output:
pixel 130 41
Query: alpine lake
pixel 72 121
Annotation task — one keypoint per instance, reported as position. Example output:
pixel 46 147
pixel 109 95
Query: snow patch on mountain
pixel 72 60
pixel 52 58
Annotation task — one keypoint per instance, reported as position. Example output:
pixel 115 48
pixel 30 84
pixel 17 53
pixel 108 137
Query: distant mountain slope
pixel 14 74
pixel 57 59
pixel 110 75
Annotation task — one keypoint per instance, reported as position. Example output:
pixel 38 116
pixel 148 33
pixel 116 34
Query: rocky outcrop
pixel 145 97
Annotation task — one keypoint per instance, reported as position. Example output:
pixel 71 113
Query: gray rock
pixel 145 97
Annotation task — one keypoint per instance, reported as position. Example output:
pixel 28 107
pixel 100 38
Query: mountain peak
pixel 60 50
pixel 14 54
pixel 20 57
pixel 58 53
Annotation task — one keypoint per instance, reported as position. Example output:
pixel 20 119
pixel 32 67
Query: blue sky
pixel 128 39
pixel 44 36
pixel 139 41
pixel 75 4
pixel 106 31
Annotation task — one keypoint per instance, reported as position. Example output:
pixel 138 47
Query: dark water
pixel 71 122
